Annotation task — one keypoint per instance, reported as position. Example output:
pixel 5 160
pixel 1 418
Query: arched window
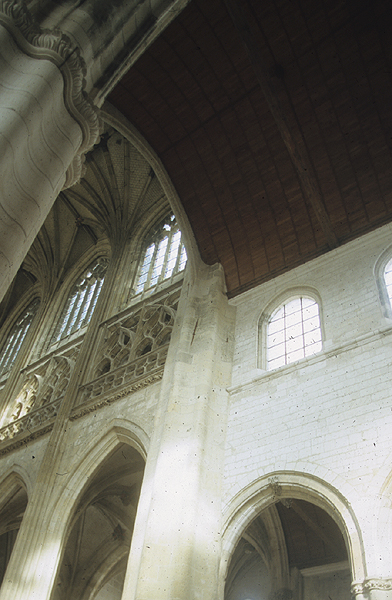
pixel 15 339
pixel 82 300
pixel 164 255
pixel 293 332
pixel 388 280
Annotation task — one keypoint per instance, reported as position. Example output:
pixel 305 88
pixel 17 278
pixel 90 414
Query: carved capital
pixel 368 585
pixel 57 48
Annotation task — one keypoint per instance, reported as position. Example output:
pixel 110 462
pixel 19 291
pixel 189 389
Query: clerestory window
pixel 15 339
pixel 388 280
pixel 293 332
pixel 164 256
pixel 82 300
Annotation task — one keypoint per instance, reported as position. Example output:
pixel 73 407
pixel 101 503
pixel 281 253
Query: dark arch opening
pixel 95 554
pixel 293 550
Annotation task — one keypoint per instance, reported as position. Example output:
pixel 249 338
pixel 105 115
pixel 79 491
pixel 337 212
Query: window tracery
pixel 82 301
pixel 164 256
pixel 293 332
pixel 15 339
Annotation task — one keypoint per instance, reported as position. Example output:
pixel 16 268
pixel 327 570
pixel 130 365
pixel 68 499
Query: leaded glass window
pixel 15 339
pixel 388 280
pixel 293 332
pixel 164 256
pixel 82 300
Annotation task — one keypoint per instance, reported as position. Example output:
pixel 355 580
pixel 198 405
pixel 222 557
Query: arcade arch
pixel 13 503
pixel 289 535
pixel 100 530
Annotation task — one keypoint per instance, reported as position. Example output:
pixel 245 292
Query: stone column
pixel 49 79
pixel 35 559
pixel 45 127
pixel 175 548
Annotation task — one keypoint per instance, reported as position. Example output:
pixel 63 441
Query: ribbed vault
pixel 118 196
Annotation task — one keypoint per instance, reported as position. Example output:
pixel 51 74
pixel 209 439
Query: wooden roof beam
pixel 298 153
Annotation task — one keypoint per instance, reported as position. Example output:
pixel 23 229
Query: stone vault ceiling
pixel 119 190
pixel 202 98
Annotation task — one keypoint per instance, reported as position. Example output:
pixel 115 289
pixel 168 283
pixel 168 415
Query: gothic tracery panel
pixel 133 347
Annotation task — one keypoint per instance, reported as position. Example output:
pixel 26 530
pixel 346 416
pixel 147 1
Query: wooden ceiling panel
pixel 197 99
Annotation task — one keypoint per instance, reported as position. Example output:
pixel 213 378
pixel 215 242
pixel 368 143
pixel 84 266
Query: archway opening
pixel 95 555
pixel 11 515
pixel 293 550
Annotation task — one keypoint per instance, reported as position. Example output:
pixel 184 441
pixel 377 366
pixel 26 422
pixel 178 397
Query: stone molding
pixel 23 424
pixel 57 48
pixel 368 585
pixel 137 385
pixel 26 439
pixel 35 421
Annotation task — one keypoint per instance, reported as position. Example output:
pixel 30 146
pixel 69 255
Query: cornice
pixel 25 439
pixel 58 49
pixel 81 411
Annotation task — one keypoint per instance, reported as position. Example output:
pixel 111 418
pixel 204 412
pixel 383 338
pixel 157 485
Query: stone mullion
pixel 178 258
pixel 91 307
pixel 151 267
pixel 10 348
pixel 166 257
pixel 67 330
pixel 79 319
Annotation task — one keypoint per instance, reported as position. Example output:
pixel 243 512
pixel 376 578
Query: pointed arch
pixel 13 503
pixel 118 432
pixel 267 490
pixel 114 565
pixel 74 498
pixel 114 118
pixel 16 477
pixel 381 523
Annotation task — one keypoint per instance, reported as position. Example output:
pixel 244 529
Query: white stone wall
pixel 135 413
pixel 328 416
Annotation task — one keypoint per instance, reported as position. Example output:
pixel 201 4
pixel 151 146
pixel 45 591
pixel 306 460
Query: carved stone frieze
pixel 131 356
pixel 136 371
pixel 40 396
pixel 136 334
pixel 31 421
pixel 58 49
pixel 134 387
pixel 368 585
pixel 23 441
